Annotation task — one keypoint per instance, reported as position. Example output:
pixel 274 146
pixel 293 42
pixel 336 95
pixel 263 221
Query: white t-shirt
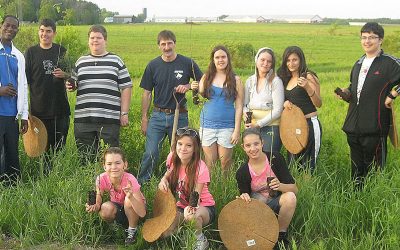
pixel 363 74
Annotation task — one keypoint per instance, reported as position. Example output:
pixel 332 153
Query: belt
pixel 170 111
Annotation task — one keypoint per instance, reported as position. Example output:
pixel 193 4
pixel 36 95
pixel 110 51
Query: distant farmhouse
pixel 274 19
pixel 241 19
pixel 122 19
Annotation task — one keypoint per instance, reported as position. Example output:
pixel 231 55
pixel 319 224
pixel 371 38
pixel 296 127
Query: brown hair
pixel 100 29
pixel 113 150
pixel 230 81
pixel 165 35
pixel 191 168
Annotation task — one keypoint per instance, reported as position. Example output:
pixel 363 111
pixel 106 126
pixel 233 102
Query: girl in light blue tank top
pixel 218 112
pixel 221 115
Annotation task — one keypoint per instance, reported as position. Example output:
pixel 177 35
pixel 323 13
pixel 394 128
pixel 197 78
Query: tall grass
pixel 49 209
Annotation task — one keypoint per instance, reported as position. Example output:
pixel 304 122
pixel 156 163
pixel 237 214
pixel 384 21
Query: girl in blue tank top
pixel 221 114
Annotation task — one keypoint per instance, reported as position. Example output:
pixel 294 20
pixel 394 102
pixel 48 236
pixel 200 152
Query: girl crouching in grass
pixel 127 202
pixel 188 173
pixel 266 177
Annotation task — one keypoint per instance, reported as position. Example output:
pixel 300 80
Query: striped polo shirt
pixel 100 81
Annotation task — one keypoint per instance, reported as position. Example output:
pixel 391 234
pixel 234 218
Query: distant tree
pixel 222 17
pixel 47 11
pixel 28 10
pixel 69 17
pixel 140 18
pixel 105 13
pixel 88 13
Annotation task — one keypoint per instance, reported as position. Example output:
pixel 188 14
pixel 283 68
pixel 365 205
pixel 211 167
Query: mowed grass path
pixel 46 210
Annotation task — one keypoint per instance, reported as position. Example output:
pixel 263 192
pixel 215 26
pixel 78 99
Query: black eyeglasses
pixel 187 131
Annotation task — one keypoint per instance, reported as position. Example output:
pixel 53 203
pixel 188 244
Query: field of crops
pixel 49 211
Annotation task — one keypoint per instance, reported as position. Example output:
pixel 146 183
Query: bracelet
pixel 124 113
pixel 312 94
pixel 391 96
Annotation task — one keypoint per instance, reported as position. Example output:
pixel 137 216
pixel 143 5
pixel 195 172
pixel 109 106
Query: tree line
pixel 63 12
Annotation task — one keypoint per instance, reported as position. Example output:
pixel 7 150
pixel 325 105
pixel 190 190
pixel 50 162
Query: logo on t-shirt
pixel 48 67
pixel 178 74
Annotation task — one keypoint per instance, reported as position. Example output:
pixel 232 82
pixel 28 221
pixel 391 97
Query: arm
pixel 146 100
pixel 96 207
pixel 278 96
pixel 282 187
pixel 138 204
pixel 247 95
pixel 199 86
pixel 126 94
pixel 136 200
pixel 313 90
pixel 238 111
pixel 163 185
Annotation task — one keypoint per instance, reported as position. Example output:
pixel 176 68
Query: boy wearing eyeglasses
pixel 370 93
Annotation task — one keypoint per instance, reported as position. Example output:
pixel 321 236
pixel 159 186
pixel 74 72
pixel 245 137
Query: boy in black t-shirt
pixel 48 98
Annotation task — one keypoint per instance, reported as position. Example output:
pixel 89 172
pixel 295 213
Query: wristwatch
pixel 124 113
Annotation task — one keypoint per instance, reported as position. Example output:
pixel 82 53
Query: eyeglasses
pixel 368 38
pixel 187 131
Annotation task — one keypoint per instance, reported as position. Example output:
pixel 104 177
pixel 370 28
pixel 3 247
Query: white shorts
pixel 220 135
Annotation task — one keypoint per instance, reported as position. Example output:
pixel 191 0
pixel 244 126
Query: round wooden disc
pixel 293 129
pixel 164 212
pixel 35 139
pixel 250 225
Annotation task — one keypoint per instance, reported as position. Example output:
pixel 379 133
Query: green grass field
pixel 48 212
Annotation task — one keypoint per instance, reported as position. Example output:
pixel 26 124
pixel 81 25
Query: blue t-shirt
pixel 8 74
pixel 163 77
pixel 218 112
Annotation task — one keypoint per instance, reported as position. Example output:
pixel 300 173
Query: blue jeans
pixel 271 138
pixel 160 126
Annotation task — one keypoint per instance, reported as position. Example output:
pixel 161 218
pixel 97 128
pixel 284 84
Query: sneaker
pixel 131 237
pixel 202 244
pixel 283 242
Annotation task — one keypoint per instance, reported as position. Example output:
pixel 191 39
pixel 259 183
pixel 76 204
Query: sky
pixel 214 8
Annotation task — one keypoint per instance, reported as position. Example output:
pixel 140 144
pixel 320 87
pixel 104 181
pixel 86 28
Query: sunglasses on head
pixel 187 131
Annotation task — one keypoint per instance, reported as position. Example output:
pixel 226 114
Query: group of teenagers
pixel 104 89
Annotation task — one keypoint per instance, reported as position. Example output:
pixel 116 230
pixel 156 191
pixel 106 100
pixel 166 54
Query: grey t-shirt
pixel 163 77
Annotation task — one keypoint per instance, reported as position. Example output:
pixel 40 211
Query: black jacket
pixel 370 116
pixel 278 165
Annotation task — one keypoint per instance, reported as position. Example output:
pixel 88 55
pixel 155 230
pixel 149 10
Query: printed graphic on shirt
pixel 178 74
pixel 48 67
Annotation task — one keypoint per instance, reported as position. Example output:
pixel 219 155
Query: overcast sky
pixel 212 8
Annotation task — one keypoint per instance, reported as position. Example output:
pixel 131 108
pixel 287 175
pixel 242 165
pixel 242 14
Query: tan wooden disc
pixel 293 129
pixel 35 139
pixel 164 212
pixel 250 225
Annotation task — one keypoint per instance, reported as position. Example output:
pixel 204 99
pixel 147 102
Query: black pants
pixel 57 131
pixel 89 135
pixel 365 151
pixel 9 136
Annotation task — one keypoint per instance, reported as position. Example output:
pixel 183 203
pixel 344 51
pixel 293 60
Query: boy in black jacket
pixel 368 117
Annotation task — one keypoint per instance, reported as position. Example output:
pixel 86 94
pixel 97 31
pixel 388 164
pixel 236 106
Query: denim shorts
pixel 222 136
pixel 120 216
pixel 273 203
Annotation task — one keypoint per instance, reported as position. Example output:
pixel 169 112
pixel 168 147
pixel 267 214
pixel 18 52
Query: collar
pixel 361 60
pixel 12 48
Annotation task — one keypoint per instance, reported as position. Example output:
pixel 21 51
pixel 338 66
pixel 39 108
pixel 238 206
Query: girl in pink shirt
pixel 187 173
pixel 127 202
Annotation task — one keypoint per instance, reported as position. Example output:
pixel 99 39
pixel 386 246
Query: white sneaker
pixel 202 244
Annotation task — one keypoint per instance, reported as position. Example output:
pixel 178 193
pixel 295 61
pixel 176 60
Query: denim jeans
pixel 160 126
